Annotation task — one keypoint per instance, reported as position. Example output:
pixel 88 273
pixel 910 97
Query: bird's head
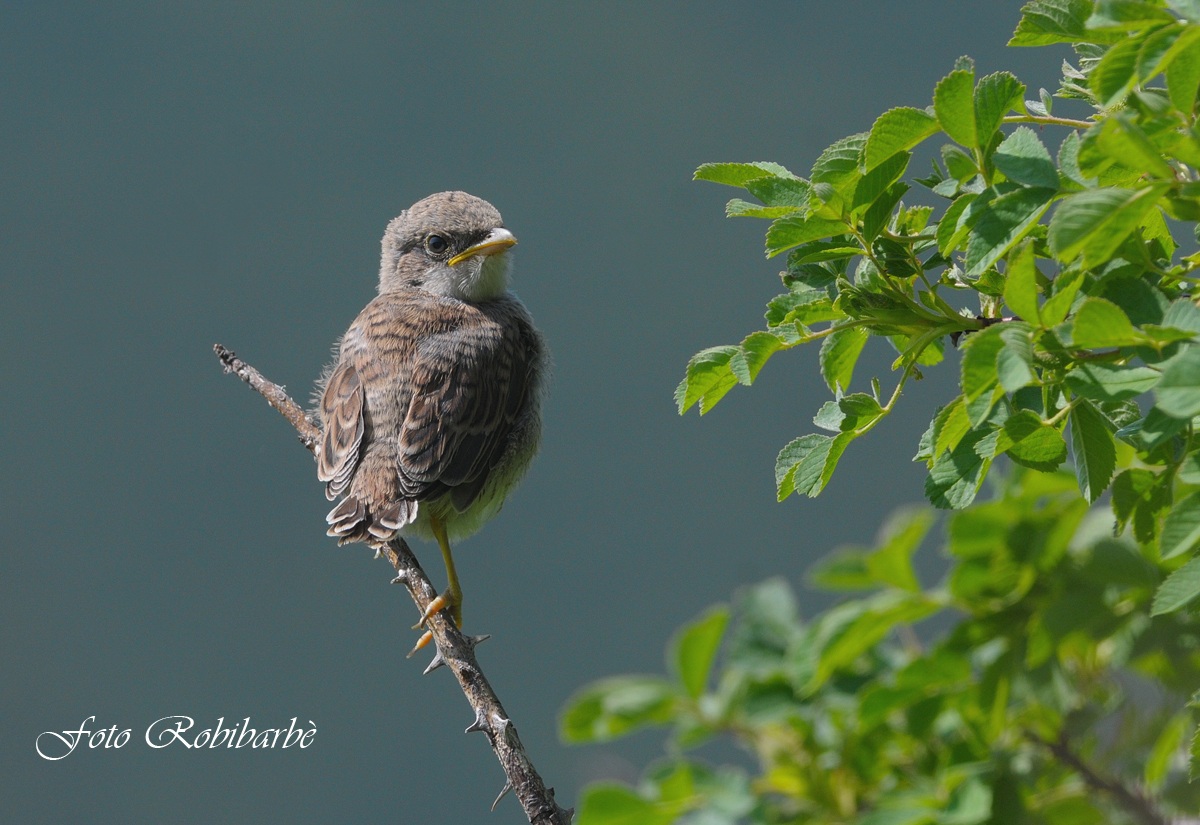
pixel 451 244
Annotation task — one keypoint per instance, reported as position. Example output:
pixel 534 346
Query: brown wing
pixel 342 414
pixel 468 394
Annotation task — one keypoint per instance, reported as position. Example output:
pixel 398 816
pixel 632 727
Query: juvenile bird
pixel 431 413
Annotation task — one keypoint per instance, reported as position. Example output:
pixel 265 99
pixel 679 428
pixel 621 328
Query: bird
pixel 431 413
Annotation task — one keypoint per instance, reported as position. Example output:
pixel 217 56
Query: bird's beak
pixel 498 240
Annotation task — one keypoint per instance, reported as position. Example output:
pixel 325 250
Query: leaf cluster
pixel 851 719
pixel 1048 252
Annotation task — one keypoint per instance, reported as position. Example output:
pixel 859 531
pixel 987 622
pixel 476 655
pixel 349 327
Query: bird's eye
pixel 436 244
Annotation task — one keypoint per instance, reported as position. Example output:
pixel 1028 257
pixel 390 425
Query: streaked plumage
pixel 432 408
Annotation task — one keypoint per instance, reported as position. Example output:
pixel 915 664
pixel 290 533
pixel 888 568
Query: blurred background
pixel 182 174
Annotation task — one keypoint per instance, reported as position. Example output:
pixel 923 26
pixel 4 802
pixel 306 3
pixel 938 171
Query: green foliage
pixel 1046 649
pixel 1054 674
pixel 1083 320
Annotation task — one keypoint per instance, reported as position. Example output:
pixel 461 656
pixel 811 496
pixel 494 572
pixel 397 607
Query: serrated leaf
pixel 1044 22
pixel 707 379
pixel 1124 141
pixel 1110 382
pixel 806 464
pixel 738 208
pixel 1023 159
pixel 956 475
pixel 1181 587
pixel 954 104
pixel 879 180
pixel 839 354
pixel 980 352
pixel 1115 74
pixel 1181 529
pixel 1101 323
pixel 838 164
pixel 995 96
pixel 949 427
pixel 1066 288
pixel 738 174
pixel 752 355
pixel 772 191
pixel 788 232
pixel 949 233
pixel 1020 284
pixel 695 648
pixel 1092 450
pixel 1096 221
pixel 1183 78
pixel 1178 391
pixel 1007 219
pixel 1034 443
pixel 896 130
pixel 1014 362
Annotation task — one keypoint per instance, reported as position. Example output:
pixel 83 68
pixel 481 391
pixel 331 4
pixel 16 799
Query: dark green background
pixel 180 174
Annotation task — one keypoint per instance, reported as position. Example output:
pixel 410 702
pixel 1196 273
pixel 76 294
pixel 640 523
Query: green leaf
pixel 953 101
pixel 807 453
pixel 1066 287
pixel 979 369
pixel 1110 382
pixel 707 380
pixel 1101 323
pixel 1023 159
pixel 787 232
pixel 877 181
pixel 752 355
pixel 1014 362
pixel 1124 141
pixel 956 475
pixel 1008 219
pixel 1181 529
pixel 739 174
pixel 806 464
pixel 738 208
pixel 896 130
pixel 838 165
pixel 1045 22
pixel 1183 78
pixel 695 648
pixel 840 643
pixel 791 192
pixel 1178 392
pixel 1116 72
pixel 995 96
pixel 1034 443
pixel 614 707
pixel 608 803
pixel 891 562
pixel 1180 588
pixel 839 354
pixel 949 232
pixel 1020 284
pixel 1092 449
pixel 1166 746
pixel 1096 221
pixel 949 427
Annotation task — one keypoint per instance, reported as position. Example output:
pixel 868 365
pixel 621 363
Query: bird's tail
pixel 354 520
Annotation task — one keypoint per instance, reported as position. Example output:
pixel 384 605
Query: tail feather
pixel 352 520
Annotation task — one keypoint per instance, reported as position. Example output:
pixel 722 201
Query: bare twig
pixel 1141 807
pixel 454 650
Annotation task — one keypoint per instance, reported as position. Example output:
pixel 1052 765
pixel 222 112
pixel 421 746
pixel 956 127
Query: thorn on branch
pixel 503 791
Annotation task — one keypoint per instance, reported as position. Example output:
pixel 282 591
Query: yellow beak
pixel 498 240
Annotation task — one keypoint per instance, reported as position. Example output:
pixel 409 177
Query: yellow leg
pixel 452 597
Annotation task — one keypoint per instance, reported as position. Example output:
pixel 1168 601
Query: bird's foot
pixel 451 599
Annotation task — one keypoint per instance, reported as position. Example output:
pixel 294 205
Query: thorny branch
pixel 454 650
